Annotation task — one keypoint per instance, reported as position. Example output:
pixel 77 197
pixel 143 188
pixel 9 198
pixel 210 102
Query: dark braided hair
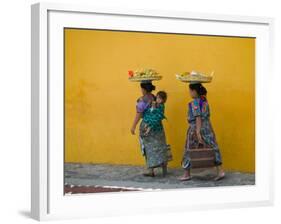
pixel 199 88
pixel 148 86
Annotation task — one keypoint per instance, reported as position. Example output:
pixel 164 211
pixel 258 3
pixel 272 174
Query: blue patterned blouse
pixel 198 107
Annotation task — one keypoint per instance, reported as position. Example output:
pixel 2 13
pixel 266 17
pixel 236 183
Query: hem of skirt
pixel 187 168
pixel 218 163
pixel 160 165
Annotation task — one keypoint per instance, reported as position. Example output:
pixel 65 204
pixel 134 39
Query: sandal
pixel 220 177
pixel 149 174
pixel 184 178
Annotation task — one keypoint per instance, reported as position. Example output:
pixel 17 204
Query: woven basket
pixel 195 77
pixel 139 79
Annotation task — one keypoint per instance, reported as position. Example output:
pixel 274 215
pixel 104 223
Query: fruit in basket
pixel 143 73
pixel 194 76
pixel 130 73
pixel 184 74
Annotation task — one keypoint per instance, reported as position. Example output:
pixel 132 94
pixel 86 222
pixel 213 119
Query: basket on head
pixel 144 75
pixel 194 77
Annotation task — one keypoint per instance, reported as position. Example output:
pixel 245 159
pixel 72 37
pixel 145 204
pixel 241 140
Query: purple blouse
pixel 144 102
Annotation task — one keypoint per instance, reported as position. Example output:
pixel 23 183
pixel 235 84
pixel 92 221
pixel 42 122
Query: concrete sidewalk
pixel 131 177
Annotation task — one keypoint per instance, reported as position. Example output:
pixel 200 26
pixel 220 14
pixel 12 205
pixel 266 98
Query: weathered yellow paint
pixel 100 101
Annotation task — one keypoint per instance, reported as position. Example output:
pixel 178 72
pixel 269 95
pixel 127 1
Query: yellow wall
pixel 100 101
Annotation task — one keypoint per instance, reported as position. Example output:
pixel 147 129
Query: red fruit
pixel 130 73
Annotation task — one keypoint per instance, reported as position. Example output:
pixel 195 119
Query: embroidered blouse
pixel 144 102
pixel 198 107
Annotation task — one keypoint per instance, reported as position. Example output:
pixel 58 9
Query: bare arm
pixel 136 121
pixel 198 129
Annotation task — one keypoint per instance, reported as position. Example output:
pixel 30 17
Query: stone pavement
pixel 124 176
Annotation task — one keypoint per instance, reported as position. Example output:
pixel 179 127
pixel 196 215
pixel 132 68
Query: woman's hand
pixel 133 130
pixel 136 121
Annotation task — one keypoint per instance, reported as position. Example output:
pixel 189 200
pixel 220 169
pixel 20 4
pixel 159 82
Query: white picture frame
pixel 48 201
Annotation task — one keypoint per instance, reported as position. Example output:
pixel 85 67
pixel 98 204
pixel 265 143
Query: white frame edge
pixel 39 86
pixel 39 93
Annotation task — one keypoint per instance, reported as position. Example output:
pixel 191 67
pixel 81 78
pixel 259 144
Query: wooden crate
pixel 202 157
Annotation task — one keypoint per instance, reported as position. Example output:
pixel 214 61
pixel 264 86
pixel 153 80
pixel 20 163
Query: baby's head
pixel 161 97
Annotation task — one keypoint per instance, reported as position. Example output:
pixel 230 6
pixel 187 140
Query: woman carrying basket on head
pixel 200 130
pixel 152 136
